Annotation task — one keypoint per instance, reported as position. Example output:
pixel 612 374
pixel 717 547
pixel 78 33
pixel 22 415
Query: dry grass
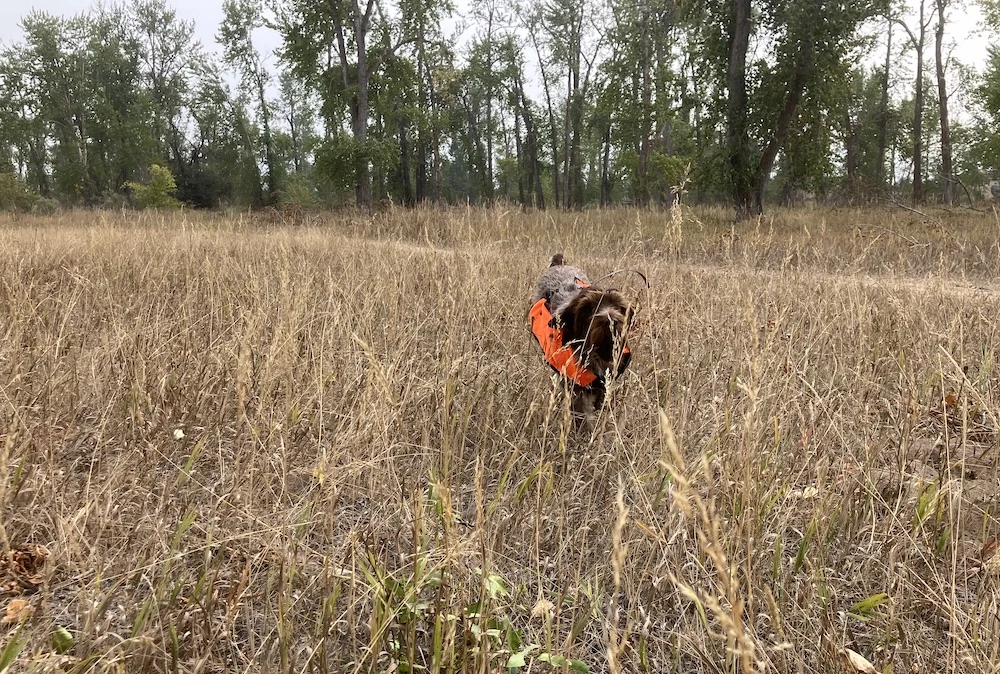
pixel 335 447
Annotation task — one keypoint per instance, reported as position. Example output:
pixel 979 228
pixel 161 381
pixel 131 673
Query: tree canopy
pixel 546 103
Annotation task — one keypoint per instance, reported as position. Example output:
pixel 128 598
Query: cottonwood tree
pixel 883 113
pixel 22 121
pixel 563 23
pixel 947 172
pixel 169 56
pixel 533 19
pixel 420 28
pixel 295 107
pixel 241 18
pixel 917 41
pixel 805 51
pixel 326 43
pixel 56 67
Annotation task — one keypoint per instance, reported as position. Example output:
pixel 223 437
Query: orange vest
pixel 562 358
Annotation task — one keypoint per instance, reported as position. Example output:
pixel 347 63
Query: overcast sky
pixel 206 14
pixel 964 35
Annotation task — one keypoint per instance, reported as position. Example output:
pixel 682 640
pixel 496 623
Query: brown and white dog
pixel 582 330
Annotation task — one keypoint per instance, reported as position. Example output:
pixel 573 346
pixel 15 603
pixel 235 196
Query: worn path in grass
pixel 891 283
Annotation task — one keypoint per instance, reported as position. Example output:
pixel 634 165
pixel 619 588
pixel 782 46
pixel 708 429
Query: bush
pixel 159 192
pixel 14 194
pixel 114 201
pixel 45 206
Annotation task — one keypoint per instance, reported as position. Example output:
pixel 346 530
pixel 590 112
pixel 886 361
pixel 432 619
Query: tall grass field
pixel 234 444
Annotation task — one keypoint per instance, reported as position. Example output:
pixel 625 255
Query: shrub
pixel 45 206
pixel 115 201
pixel 14 194
pixel 158 192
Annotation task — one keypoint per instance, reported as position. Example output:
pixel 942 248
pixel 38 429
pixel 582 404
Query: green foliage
pixel 987 96
pixel 158 192
pixel 45 206
pixel 15 194
pixel 667 171
pixel 337 158
pixel 868 608
pixel 620 98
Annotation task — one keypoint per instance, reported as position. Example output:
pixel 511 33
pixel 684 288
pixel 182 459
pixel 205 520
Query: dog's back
pixel 558 285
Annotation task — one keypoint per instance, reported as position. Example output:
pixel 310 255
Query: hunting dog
pixel 582 330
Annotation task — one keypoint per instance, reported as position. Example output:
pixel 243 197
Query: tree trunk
pixel 883 114
pixel 363 188
pixel 576 160
pixel 804 64
pixel 489 105
pixel 404 163
pixel 531 143
pixel 421 163
pixel 37 153
pixel 643 195
pixel 435 138
pixel 850 151
pixel 699 133
pixel 605 166
pixel 522 170
pixel 918 108
pixel 257 198
pixel 947 177
pixel 358 104
pixel 553 133
pixel 567 197
pixel 746 201
pixel 296 141
pixel 421 167
pixel 271 196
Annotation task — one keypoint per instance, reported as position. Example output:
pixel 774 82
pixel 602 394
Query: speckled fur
pixel 558 284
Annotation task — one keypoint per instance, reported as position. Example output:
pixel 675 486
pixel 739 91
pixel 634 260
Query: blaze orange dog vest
pixel 561 357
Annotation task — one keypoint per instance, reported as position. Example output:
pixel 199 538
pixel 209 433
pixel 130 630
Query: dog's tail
pixel 557 260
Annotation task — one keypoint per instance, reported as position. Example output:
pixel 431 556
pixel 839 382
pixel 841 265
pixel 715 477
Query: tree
pixel 563 22
pixel 806 52
pixel 169 57
pixel 295 105
pixel 316 37
pixel 883 116
pixel 158 192
pixel 56 70
pixel 987 99
pixel 236 38
pixel 947 174
pixel 917 43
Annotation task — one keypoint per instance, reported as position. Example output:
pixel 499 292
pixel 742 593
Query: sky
pixel 967 40
pixel 206 14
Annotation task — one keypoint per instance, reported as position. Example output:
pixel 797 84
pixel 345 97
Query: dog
pixel 582 330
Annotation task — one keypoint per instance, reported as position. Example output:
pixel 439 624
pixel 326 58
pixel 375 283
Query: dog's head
pixel 596 323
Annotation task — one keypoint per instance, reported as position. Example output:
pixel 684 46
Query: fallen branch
pixel 912 210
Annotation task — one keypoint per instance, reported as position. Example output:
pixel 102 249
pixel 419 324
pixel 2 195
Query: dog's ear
pixel 566 320
pixel 557 260
pixel 576 317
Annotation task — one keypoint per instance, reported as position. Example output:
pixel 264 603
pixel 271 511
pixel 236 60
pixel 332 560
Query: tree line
pixel 546 103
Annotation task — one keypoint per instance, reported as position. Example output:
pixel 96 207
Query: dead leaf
pixel 990 557
pixel 807 493
pixel 28 560
pixel 543 609
pixel 17 610
pixel 860 663
pixel 23 570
